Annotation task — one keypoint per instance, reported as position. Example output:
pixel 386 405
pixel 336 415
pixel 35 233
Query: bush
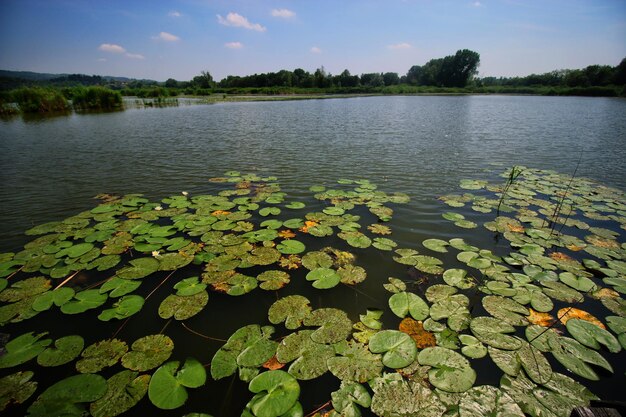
pixel 39 100
pixel 96 98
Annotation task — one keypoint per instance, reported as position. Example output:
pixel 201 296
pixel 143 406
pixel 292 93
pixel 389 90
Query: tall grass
pixel 39 100
pixel 96 98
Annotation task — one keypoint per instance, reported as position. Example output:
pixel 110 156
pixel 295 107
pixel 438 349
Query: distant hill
pixel 15 79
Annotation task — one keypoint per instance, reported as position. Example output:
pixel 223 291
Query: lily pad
pixel 67 396
pixel 458 278
pixel 16 388
pixel 182 308
pixel 579 283
pixel 23 348
pixel 486 400
pixel 124 390
pixel 436 245
pixel 189 286
pixel 123 308
pixel 276 393
pixel 148 352
pixel 404 303
pixel 450 372
pixel 167 386
pixel 309 358
pixel 577 358
pixel 398 348
pixel 506 309
pixel 292 310
pixel 317 259
pixel 334 325
pixel 492 332
pixel 290 247
pixel 57 297
pixel 592 336
pixel 65 350
pixel 117 287
pixel 101 355
pixel 323 278
pixel 356 363
pixel 139 268
pixel 273 280
pixel 349 395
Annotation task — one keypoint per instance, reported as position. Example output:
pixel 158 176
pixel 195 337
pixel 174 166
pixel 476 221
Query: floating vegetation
pixel 543 310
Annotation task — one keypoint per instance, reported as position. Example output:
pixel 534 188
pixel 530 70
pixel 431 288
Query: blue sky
pixel 161 39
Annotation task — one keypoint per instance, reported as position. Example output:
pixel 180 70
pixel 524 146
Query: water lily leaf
pixel 101 355
pixel 273 280
pixel 65 397
pixel 65 350
pixel 174 261
pixel 124 390
pixel 167 386
pixel 617 324
pixel 394 396
pixel 577 357
pixel 148 352
pixel 16 388
pixel 248 347
pixel 104 262
pixel 292 310
pixel 436 245
pixel 83 301
pixel 450 371
pixel 491 331
pixel 407 256
pixel 540 302
pixel 579 283
pixel 57 297
pixel 182 308
pixel 290 247
pixel 269 211
pixel 335 325
pixel 561 292
pixel 567 313
pixel 506 310
pixel 356 363
pixel 398 348
pixel 534 363
pixel 309 358
pixel 486 400
pixel 473 348
pixel 118 287
pixel 277 392
pixel 615 305
pixel 465 224
pixel 23 348
pixel 351 274
pixel 592 336
pixel 323 278
pixel 404 303
pixel 74 251
pixel 356 239
pixel 415 329
pixel 458 278
pixel 428 264
pixel 189 286
pixel 349 395
pixel 139 268
pixel 317 259
pixel 123 308
pixel 294 205
pixel 372 318
pixel 395 285
pixel 382 243
pixel 25 289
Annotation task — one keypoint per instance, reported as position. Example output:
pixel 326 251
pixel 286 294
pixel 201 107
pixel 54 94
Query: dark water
pixel 51 168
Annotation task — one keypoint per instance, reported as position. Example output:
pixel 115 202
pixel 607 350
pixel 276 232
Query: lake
pixel 52 168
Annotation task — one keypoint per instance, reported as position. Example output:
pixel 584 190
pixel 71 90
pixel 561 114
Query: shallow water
pixel 423 146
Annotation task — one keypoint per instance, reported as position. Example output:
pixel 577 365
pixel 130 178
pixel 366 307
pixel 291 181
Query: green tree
pixel 414 75
pixel 204 80
pixel 391 78
pixel 619 73
pixel 171 83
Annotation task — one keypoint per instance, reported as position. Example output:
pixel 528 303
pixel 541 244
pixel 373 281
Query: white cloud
pixel 402 45
pixel 111 47
pixel 233 45
pixel 284 13
pixel 135 56
pixel 477 4
pixel 316 50
pixel 237 20
pixel 167 37
pixel 175 13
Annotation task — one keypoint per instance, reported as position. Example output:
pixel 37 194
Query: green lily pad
pixel 383 243
pixel 576 357
pixel 492 332
pixel 486 400
pixel 65 350
pixel 25 289
pixel 428 264
pixel 123 308
pixel 436 245
pixel 273 280
pixel 579 283
pixel 398 348
pixel 117 287
pixel 276 393
pixel 101 355
pixel 355 363
pixel 458 278
pixel 506 310
pixel 23 348
pixel 506 360
pixel 57 297
pixel 174 261
pixel 351 274
pixel 534 363
pixel 394 396
pixel 323 278
pixel 167 389
pixel 317 259
pixel 592 336
pixel 182 308
pixel 294 205
pixel 349 395
pixel 16 388
pixel 404 303
pixel 309 358
pixel 395 285
pixel 561 292
pixel 189 286
pixel 472 347
pixel 74 251
pixel 124 390
pixel 450 371
pixel 83 301
pixel 148 352
pixel 290 247
pixel 269 211
pixel 67 396
pixel 139 268
pixel 292 310
pixel 372 318
pixel 334 325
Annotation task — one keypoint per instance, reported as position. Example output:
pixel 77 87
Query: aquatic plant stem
pixel 202 335
pixel 67 279
pixel 512 177
pixel 9 277
pixel 327 403
pixel 161 283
